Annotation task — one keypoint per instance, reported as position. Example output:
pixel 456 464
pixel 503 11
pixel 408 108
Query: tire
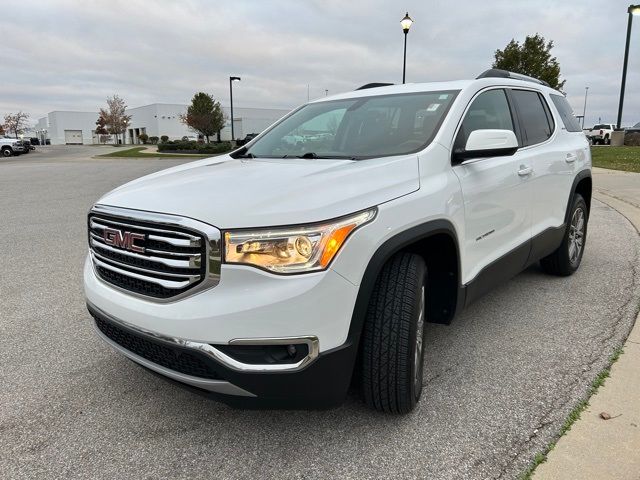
pixel 393 336
pixel 7 152
pixel 607 140
pixel 566 259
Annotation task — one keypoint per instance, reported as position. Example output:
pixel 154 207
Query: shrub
pixel 144 138
pixel 194 147
pixel 164 138
pixel 632 139
pixel 154 140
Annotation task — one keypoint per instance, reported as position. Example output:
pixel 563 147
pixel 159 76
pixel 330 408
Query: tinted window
pixel 566 114
pixel 535 119
pixel 364 127
pixel 490 110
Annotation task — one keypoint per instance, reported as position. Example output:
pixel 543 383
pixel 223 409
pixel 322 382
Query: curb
pixel 594 447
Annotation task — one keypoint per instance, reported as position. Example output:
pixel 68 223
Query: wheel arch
pixel 437 242
pixel 583 185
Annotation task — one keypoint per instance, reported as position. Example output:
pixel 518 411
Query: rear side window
pixel 566 114
pixel 490 110
pixel 534 116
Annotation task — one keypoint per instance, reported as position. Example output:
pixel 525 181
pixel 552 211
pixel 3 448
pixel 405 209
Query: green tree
pixel 204 115
pixel 101 128
pixel 533 58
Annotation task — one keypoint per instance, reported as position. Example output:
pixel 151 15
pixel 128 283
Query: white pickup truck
pixel 10 146
pixel 601 134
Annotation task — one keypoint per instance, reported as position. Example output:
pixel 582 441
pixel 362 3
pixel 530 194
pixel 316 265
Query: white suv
pixel 278 274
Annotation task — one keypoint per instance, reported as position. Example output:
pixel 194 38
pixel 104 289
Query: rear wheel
pixel 566 259
pixel 393 336
pixel 7 152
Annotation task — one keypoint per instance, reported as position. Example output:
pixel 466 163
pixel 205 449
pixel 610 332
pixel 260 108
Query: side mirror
pixel 488 143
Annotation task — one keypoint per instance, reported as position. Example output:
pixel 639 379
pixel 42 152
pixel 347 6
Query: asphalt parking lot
pixel 499 381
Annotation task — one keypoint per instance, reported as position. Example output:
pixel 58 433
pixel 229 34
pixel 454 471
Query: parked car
pixel 11 146
pixel 192 138
pixel 601 134
pixel 26 143
pixel 634 129
pixel 277 279
pixel 246 139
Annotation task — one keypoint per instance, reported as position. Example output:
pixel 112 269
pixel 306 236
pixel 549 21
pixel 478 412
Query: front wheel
pixel 6 152
pixel 393 336
pixel 566 259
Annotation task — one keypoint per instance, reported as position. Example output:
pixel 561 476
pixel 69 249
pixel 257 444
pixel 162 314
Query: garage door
pixel 73 137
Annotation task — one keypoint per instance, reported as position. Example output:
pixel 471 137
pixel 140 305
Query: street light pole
pixel 231 80
pixel 405 23
pixel 632 10
pixel 584 110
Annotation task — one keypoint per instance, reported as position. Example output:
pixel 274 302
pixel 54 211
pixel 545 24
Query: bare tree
pixel 114 116
pixel 16 122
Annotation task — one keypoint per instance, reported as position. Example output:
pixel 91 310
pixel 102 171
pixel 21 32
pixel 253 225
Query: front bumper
pixel 321 383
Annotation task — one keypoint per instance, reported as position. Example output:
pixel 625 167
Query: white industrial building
pixel 157 119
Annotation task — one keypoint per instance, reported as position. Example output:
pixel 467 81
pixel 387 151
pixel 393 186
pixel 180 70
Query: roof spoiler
pixel 497 73
pixel 374 85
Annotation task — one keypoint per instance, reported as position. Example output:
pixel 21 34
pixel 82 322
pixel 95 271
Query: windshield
pixel 357 128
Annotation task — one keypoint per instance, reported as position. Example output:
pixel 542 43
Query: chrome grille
pixel 163 257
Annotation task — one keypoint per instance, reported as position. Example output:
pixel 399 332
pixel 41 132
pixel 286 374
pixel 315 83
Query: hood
pixel 236 193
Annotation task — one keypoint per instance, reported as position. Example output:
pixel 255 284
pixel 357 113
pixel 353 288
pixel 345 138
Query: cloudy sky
pixel 71 55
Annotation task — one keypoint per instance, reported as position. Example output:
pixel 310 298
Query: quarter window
pixel 535 118
pixel 490 110
pixel 566 114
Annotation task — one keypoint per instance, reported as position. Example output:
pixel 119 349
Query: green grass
pixel 575 413
pixel 137 152
pixel 617 158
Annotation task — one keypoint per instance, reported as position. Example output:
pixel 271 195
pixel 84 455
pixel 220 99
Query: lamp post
pixel 231 80
pixel 124 133
pixel 632 10
pixel 405 23
pixel 584 110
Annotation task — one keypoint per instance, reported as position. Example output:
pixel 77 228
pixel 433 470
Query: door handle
pixel 524 171
pixel 570 158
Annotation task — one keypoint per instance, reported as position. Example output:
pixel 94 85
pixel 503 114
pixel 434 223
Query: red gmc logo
pixel 124 240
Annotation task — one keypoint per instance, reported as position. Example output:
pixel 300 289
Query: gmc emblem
pixel 124 240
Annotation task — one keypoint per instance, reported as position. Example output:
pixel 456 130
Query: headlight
pixel 296 249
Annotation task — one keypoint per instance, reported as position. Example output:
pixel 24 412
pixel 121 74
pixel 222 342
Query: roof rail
pixel 497 73
pixel 374 85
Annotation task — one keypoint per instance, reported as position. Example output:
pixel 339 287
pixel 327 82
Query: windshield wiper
pixel 242 153
pixel 313 155
pixel 308 155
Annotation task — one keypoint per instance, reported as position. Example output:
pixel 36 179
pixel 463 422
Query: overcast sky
pixel 71 55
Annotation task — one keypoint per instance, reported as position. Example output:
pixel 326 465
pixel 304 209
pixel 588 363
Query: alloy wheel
pixel 576 235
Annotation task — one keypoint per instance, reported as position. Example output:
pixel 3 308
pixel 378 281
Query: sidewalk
pixel 607 449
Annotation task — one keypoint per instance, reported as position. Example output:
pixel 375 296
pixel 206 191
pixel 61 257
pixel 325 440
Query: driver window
pixel 490 110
